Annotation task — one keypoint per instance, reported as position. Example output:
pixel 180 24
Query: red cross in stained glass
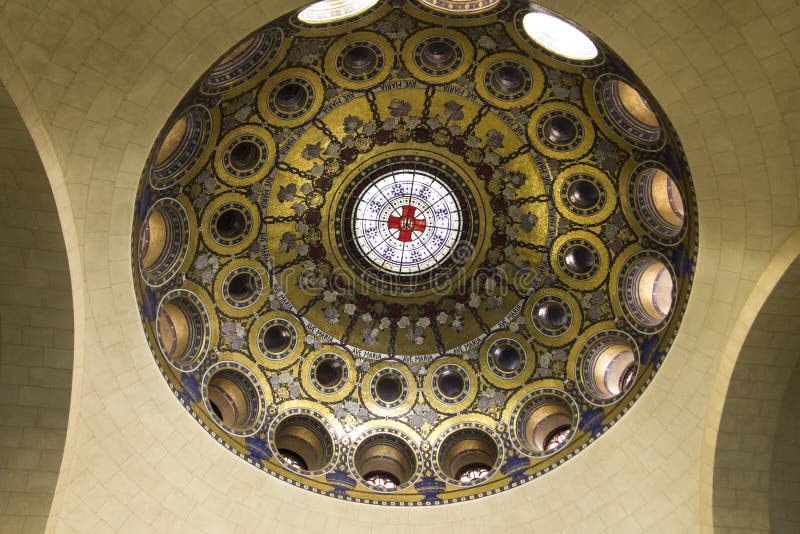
pixel 406 223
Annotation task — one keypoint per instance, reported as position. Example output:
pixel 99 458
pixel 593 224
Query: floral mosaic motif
pixel 491 401
pixel 423 418
pixel 445 127
pixel 552 364
pixel 351 413
pixel 206 267
pixel 233 334
pixel 284 386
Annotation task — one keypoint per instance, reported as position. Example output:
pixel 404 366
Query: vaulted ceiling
pixel 94 83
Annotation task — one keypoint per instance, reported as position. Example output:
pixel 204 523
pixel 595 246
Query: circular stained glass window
pixel 406 222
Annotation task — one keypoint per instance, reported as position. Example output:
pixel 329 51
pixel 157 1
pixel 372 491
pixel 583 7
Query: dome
pixel 413 252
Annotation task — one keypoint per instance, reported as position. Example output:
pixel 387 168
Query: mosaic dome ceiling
pixel 413 251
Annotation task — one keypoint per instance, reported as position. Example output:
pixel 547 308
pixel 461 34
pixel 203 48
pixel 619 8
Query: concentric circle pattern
pixel 407 222
pixel 413 252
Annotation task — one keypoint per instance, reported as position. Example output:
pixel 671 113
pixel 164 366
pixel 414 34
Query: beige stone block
pixel 99 196
pixel 68 117
pixel 88 138
pixel 119 133
pixel 48 94
pixel 107 101
pixel 60 378
pixel 761 37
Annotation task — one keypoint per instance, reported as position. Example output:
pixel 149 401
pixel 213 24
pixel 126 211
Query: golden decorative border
pixel 462 40
pixel 410 392
pixel 295 72
pixel 347 384
pixel 522 376
pixel 340 44
pixel 471 385
pixel 583 146
pixel 576 317
pixel 601 267
pixel 537 84
pixel 208 233
pixel 610 194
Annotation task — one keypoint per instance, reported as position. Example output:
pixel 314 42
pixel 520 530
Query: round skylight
pixel 332 10
pixel 407 222
pixel 559 36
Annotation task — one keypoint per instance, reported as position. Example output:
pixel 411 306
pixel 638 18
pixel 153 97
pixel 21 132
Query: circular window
pixel 508 356
pixel 385 462
pixel 277 339
pixel 468 455
pixel 649 291
pixel 579 259
pixel 559 36
pixel 388 388
pixel 359 58
pixel 403 225
pixel 407 222
pixel 290 97
pixel 544 424
pixel 560 130
pixel 244 61
pixel 508 79
pixel 304 443
pixel 182 148
pixel 438 55
pixel 182 328
pixel 583 194
pixel 245 155
pixel 660 203
pixel 163 241
pixel 360 61
pixel 242 287
pixel 229 221
pixel 507 359
pixel 552 315
pixel 461 6
pixel 630 112
pixel 329 372
pixel 611 366
pixel 327 11
pixel 450 383
pixel 234 400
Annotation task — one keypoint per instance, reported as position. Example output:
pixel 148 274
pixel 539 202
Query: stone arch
pixel 784 476
pixel 759 393
pixel 36 321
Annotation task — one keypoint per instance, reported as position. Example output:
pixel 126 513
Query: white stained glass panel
pixel 559 36
pixel 407 222
pixel 332 10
